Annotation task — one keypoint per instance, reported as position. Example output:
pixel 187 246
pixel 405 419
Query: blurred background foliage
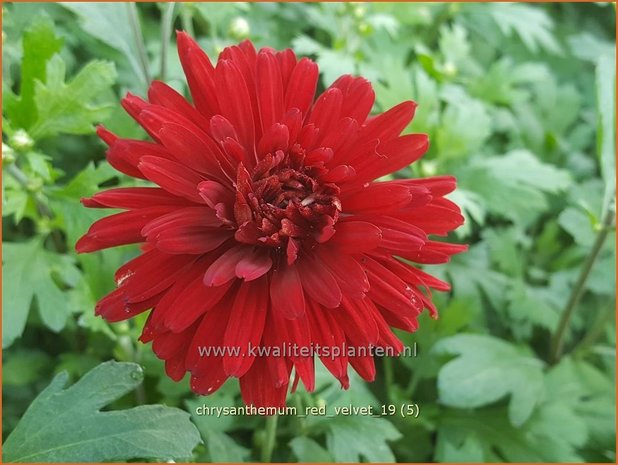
pixel 519 103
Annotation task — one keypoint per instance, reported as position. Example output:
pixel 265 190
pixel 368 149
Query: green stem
pixel 269 440
pixel 300 410
pixel 597 329
pixel 557 343
pixel 388 375
pixel 186 19
pixel 139 39
pixel 166 30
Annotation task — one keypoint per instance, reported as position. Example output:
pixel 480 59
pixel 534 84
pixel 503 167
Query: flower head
pixel 267 228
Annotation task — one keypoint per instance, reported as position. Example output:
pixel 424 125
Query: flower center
pixel 283 200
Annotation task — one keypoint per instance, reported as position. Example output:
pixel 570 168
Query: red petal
pixel 395 155
pixel 258 389
pixel 200 74
pixel 235 102
pixel 326 112
pixel 150 273
pixel 286 292
pixel 124 155
pixel 276 137
pixel 191 240
pixel 357 323
pixel 318 282
pixel 161 94
pixel 223 268
pixel 131 198
pixel 390 291
pixel 353 237
pixel 365 366
pixel 301 86
pixel 193 149
pixel 379 197
pixel 181 218
pixel 389 124
pixel 253 265
pixel 358 97
pixel 115 307
pixel 245 325
pixel 327 333
pixel 346 270
pixel 119 229
pixel 172 176
pixel 193 301
pixel 269 90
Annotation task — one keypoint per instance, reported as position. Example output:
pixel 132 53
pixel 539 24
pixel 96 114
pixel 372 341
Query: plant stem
pixel 269 440
pixel 139 39
pixel 557 344
pixel 388 375
pixel 166 30
pixel 186 18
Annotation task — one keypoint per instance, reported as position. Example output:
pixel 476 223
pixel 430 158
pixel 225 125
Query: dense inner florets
pixel 284 203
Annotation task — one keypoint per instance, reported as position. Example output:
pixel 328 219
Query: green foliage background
pixel 519 103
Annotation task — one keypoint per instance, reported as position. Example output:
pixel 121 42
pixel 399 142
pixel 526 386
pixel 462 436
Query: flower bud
pixel 8 154
pixel 21 141
pixel 239 28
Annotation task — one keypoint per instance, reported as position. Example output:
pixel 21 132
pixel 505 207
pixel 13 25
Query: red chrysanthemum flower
pixel 268 227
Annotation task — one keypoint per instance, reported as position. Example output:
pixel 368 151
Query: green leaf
pixel 486 279
pixel 71 108
pixel 24 366
pixel 350 438
pixel 110 23
pixel 40 43
pixel 578 225
pixel 539 440
pixel 486 370
pixel 531 24
pixel 27 270
pixel 606 123
pixel 307 450
pixel 464 127
pixel 223 449
pixel 513 184
pixel 449 450
pixel 67 425
pixel 220 446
